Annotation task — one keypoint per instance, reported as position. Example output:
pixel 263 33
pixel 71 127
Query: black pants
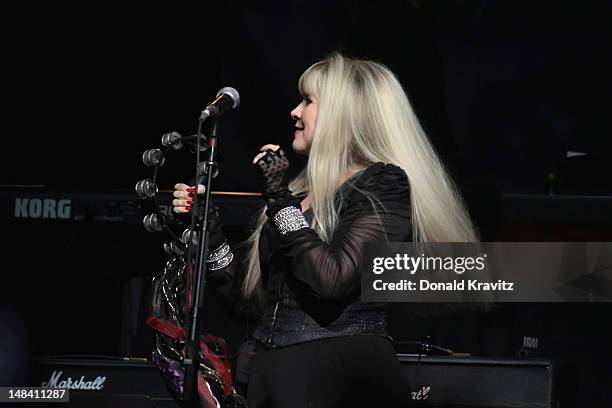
pixel 357 371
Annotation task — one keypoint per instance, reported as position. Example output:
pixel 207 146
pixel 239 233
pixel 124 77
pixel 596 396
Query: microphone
pixel 227 98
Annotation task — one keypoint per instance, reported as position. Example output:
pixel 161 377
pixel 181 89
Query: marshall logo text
pixel 56 381
pixel 421 394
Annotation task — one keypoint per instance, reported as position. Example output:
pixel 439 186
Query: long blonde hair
pixel 365 117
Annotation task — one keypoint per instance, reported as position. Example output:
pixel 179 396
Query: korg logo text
pixel 42 208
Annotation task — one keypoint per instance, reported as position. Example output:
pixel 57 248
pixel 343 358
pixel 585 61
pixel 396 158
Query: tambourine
pixel 147 188
pixel 171 289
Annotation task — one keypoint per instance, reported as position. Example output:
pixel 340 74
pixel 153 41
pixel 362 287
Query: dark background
pixel 503 89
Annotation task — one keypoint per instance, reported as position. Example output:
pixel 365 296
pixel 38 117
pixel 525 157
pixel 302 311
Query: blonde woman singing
pixel 372 175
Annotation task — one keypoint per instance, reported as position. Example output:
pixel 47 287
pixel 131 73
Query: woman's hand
pixel 272 164
pixel 183 197
pixel 182 203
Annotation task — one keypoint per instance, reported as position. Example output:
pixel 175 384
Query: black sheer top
pixel 311 287
pixel 375 206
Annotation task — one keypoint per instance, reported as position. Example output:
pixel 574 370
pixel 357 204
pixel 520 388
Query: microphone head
pixel 233 95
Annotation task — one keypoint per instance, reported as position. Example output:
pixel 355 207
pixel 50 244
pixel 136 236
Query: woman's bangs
pixel 310 81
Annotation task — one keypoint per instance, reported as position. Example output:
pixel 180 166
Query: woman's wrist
pixel 279 201
pixel 219 252
pixel 220 257
pixel 222 262
pixel 289 219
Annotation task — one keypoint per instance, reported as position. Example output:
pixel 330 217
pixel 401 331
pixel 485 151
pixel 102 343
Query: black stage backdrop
pixel 505 90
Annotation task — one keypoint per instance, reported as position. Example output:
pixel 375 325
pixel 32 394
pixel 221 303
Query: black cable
pixel 424 347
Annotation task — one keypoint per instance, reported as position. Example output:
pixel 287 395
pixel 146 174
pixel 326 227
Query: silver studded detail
pixel 289 219
pixel 218 253
pixel 221 263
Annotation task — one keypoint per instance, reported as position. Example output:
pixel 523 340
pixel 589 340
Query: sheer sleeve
pixel 378 209
pixel 227 281
pixel 227 285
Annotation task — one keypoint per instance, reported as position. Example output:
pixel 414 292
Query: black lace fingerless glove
pixel 273 168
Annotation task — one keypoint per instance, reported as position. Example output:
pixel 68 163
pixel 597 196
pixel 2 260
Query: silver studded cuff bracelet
pixel 289 219
pixel 218 253
pixel 221 263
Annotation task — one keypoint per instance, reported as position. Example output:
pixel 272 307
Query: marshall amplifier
pixel 480 382
pixel 97 383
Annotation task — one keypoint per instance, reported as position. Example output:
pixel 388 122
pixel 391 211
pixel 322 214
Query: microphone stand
pixel 191 360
